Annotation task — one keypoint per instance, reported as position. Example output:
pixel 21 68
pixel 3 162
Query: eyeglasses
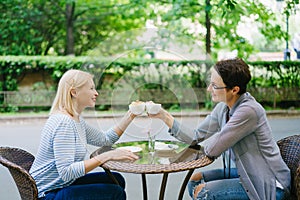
pixel 215 87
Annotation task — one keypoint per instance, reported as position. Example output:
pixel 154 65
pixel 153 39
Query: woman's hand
pixel 121 154
pixel 165 116
pixel 117 154
pixel 160 115
pixel 124 123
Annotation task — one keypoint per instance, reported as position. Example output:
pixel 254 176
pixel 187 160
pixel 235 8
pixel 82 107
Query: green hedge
pixel 12 67
pixel 280 74
pixel 265 73
pixel 142 73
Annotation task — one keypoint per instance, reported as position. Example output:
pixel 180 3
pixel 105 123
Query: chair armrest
pixel 297 182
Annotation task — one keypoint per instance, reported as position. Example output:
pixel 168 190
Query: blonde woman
pixel 59 169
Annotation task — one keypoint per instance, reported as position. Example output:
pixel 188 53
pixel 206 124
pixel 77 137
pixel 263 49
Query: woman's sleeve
pixel 98 137
pixel 204 130
pixel 241 124
pixel 64 152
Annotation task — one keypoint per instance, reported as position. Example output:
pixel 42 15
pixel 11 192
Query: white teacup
pixel 153 108
pixel 137 108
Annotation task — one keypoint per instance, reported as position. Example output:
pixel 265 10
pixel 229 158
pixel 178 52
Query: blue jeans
pixel 219 188
pixel 92 186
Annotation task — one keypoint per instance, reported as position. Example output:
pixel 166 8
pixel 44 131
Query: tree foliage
pixel 17 25
pixel 225 16
pixel 74 27
pixel 40 27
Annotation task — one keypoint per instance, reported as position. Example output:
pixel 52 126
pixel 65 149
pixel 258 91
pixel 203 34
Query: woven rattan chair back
pixel 18 162
pixel 290 152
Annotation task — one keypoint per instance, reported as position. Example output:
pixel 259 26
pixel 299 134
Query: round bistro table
pixel 176 157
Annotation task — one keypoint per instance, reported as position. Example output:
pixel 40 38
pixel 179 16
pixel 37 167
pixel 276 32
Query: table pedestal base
pixel 164 184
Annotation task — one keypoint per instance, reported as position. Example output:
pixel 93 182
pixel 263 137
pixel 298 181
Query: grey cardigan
pixel 248 133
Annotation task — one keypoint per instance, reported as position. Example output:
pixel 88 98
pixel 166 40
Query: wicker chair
pixel 18 163
pixel 290 152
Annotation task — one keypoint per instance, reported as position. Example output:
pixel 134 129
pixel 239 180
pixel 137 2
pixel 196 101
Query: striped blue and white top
pixel 59 161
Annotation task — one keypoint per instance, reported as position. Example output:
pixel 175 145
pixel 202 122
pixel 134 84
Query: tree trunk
pixel 70 28
pixel 208 26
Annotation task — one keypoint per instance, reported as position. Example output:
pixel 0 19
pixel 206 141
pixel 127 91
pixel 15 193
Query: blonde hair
pixel 72 79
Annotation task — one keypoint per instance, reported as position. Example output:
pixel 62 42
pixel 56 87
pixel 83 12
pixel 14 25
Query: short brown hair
pixel 234 72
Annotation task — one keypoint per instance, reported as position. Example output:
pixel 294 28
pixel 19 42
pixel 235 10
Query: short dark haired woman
pixel 238 129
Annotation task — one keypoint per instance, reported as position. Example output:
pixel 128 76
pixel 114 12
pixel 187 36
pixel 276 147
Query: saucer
pixel 133 149
pixel 160 146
